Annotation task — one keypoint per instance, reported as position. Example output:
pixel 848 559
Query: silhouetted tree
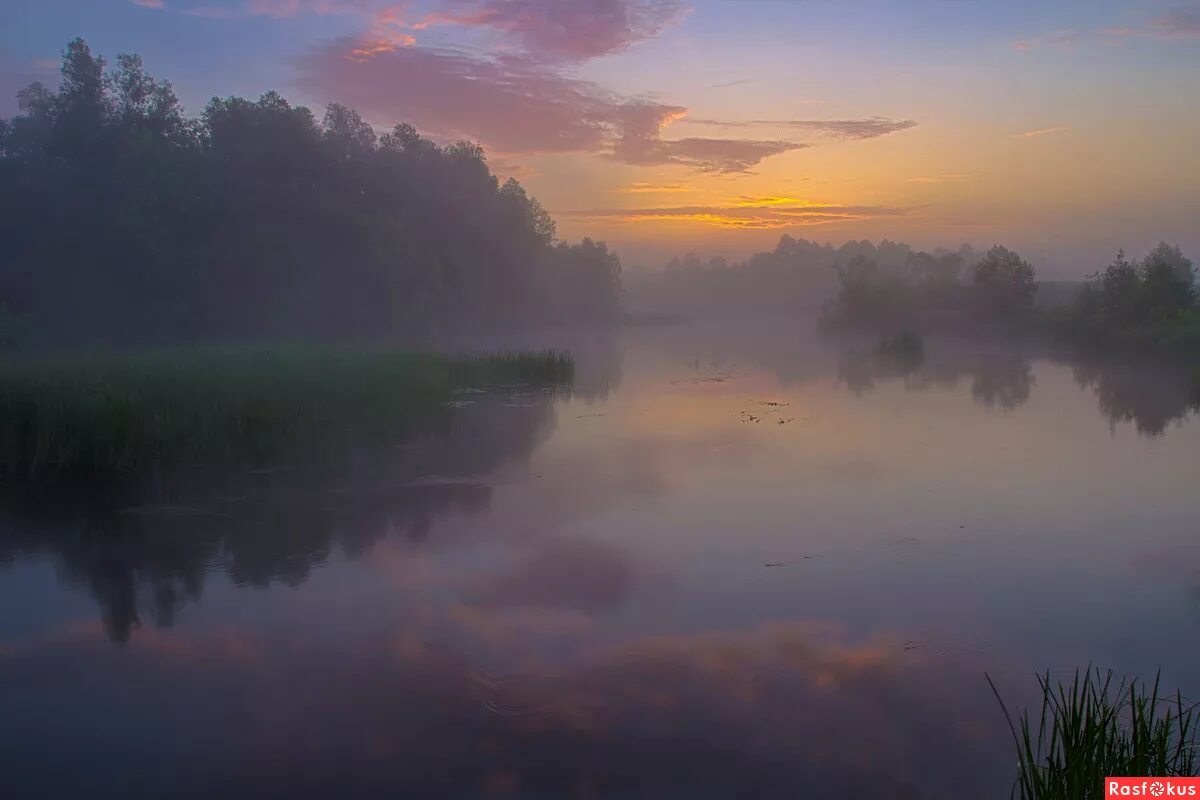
pixel 1168 281
pixel 123 218
pixel 1004 280
pixel 1151 303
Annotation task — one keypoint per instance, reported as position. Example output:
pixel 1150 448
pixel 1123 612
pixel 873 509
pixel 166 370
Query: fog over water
pixel 609 400
pixel 735 560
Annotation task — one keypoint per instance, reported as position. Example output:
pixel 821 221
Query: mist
pixel 330 467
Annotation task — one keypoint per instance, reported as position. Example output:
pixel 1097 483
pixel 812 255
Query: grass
pixel 1096 726
pixel 81 417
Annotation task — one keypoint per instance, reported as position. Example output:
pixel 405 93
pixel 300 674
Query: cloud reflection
pixel 783 710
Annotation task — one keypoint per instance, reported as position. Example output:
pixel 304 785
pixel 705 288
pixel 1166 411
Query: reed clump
pixel 1096 726
pixel 86 416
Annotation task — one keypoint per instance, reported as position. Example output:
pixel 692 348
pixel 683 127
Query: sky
pixel 1066 129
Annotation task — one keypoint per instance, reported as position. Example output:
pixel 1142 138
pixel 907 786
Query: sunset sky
pixel 1065 129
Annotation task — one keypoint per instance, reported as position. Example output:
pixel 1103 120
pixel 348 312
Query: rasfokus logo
pixel 1151 787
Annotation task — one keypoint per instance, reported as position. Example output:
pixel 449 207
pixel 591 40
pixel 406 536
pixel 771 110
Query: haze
pixel 598 399
pixel 1063 129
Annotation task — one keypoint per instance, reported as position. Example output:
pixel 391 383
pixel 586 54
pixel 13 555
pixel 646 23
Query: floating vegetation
pixel 768 407
pixel 718 378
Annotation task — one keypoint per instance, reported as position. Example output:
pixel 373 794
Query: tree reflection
pixel 1002 381
pixel 1151 396
pixel 144 555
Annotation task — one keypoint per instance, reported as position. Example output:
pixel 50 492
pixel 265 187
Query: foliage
pixel 97 415
pixel 1094 727
pixel 123 218
pixel 1148 304
pixel 1145 305
pixel 925 292
pixel 796 274
pixel 1004 281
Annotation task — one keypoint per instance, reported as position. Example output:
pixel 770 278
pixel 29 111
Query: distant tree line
pixel 796 274
pixel 120 216
pixel 929 291
pixel 1147 304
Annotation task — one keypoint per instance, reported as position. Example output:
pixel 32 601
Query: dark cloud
pixel 1179 21
pixel 731 84
pixel 765 213
pixel 639 126
pixel 866 128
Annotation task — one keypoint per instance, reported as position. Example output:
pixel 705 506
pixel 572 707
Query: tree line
pixel 123 217
pixel 1147 304
pixel 797 274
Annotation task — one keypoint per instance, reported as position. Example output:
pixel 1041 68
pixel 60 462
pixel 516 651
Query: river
pixel 735 561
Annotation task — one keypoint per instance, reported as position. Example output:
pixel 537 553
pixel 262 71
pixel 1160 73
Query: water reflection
pixel 788 710
pixel 571 573
pixel 569 597
pixel 1150 396
pixel 146 557
pixel 998 380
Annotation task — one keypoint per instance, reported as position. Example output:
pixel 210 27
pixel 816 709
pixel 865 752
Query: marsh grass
pixel 1095 726
pixel 99 415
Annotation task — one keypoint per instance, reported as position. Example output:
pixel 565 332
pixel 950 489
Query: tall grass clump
pixel 81 417
pixel 1096 726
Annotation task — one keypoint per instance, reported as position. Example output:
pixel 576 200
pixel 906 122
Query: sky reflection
pixel 755 560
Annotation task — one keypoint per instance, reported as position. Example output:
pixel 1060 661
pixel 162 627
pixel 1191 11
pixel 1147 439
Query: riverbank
pixel 87 416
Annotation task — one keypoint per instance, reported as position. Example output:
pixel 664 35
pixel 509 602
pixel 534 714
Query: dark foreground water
pixel 737 563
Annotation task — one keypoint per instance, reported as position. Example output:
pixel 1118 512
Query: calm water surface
pixel 735 562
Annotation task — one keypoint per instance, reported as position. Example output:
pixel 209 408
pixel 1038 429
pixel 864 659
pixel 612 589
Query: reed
pixel 1097 726
pixel 70 417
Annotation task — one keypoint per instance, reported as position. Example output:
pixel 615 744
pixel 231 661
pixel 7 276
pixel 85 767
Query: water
pixel 738 562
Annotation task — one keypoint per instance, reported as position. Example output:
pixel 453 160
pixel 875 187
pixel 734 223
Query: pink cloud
pixel 1179 21
pixel 512 105
pixel 148 3
pixel 1058 39
pixel 549 31
pixel 557 31
pixel 1040 132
